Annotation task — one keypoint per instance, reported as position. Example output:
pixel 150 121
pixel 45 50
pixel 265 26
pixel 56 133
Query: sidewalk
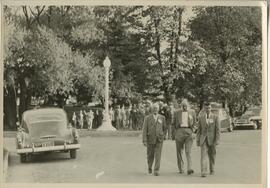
pixel 92 133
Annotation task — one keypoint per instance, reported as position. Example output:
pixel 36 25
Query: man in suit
pixel 153 135
pixel 182 133
pixel 208 136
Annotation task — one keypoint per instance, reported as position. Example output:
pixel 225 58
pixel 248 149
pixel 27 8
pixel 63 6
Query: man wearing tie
pixel 182 130
pixel 153 134
pixel 208 136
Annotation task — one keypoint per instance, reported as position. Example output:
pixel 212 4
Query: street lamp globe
pixel 107 62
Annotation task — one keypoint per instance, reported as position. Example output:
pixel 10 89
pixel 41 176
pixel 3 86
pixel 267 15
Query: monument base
pixel 106 125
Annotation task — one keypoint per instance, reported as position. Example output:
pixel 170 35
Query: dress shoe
pixel 190 171
pixel 203 175
pixel 212 173
pixel 181 172
pixel 149 171
pixel 156 174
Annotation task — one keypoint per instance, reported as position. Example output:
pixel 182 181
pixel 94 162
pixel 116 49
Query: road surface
pixel 123 160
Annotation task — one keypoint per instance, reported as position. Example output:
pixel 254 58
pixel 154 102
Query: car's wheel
pixel 255 126
pixel 73 154
pixel 259 126
pixel 23 158
pixel 230 129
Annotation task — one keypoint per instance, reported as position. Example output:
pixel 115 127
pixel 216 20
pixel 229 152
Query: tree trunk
pixel 158 53
pixel 157 47
pixel 10 109
pixel 177 38
pixel 49 15
pixel 172 65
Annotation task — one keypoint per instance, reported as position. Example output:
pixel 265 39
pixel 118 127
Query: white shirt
pixel 184 119
pixel 155 117
pixel 208 120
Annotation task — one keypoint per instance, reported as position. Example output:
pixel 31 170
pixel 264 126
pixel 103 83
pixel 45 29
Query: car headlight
pixel 75 134
pixel 20 140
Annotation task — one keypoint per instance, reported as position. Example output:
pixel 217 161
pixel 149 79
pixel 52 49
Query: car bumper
pixel 49 148
pixel 243 124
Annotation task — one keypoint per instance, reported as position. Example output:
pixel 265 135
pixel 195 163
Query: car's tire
pixel 23 158
pixel 259 126
pixel 230 129
pixel 255 126
pixel 73 154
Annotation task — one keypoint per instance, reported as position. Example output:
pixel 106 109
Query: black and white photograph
pixel 146 93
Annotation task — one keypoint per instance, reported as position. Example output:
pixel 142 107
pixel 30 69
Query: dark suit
pixel 153 134
pixel 169 119
pixel 208 136
pixel 183 138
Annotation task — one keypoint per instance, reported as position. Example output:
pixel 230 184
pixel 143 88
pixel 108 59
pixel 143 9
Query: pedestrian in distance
pixel 140 117
pixel 74 120
pixel 153 135
pixel 133 117
pixel 118 118
pixel 208 137
pixel 147 108
pixel 182 133
pixel 111 113
pixel 81 120
pixel 127 113
pixel 123 117
pixel 90 117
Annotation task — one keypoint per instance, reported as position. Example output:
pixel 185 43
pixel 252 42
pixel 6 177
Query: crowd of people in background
pixel 123 117
pixel 86 119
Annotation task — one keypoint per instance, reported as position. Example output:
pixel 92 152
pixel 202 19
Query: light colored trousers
pixel 207 152
pixel 184 142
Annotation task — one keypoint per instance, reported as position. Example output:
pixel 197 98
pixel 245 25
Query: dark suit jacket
pixel 177 120
pixel 210 130
pixel 153 131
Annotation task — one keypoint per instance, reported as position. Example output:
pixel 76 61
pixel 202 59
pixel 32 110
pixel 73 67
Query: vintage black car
pixel 45 130
pixel 251 118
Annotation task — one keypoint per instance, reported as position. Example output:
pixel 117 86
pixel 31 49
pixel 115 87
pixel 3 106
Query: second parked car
pixel 251 118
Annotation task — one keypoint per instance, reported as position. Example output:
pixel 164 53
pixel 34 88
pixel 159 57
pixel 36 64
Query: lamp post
pixel 106 122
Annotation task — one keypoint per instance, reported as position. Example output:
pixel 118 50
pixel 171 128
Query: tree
pixel 231 34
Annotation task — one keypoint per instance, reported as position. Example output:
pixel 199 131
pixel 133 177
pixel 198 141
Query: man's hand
pixel 145 144
pixel 217 143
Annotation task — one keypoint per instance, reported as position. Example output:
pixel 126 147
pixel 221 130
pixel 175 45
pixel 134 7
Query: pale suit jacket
pixel 177 121
pixel 208 130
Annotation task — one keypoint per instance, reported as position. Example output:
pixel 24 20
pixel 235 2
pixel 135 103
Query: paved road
pixel 122 160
